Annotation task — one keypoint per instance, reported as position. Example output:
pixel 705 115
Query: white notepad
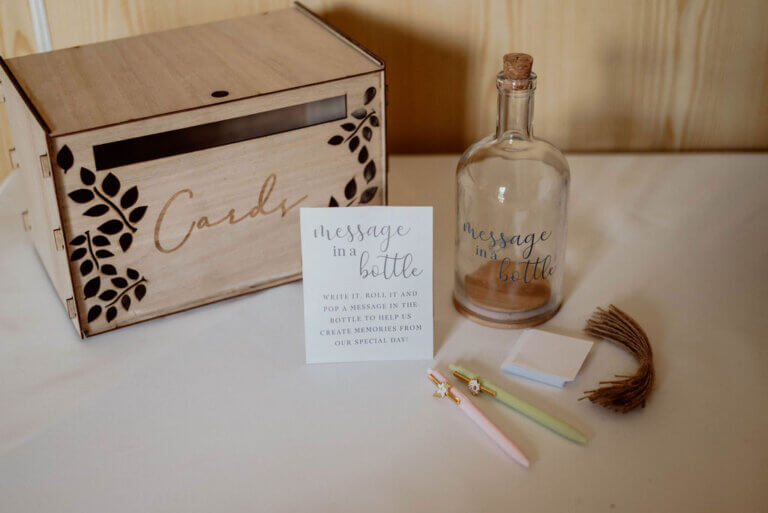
pixel 547 357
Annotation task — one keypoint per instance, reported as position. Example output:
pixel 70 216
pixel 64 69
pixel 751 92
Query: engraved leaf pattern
pixel 368 194
pixel 86 267
pixel 370 94
pixel 130 197
pixel 87 176
pixel 351 189
pixel 356 132
pixel 136 214
pixel 81 195
pixel 110 185
pixel 64 158
pixel 125 241
pixel 78 254
pixel 100 241
pixel 108 295
pixel 94 313
pixel 118 212
pixel 92 287
pixel 369 173
pixel 97 210
pixel 119 282
pixel 111 227
pixel 77 241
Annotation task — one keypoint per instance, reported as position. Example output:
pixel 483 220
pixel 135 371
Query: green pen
pixel 477 384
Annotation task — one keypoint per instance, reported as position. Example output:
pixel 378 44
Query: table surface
pixel 214 409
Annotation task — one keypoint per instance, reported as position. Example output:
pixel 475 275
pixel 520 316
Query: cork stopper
pixel 517 66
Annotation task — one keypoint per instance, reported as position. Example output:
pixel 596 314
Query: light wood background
pixel 614 75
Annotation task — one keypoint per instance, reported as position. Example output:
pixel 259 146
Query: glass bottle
pixel 512 202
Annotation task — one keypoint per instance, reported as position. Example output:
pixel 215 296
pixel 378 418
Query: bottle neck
pixel 514 119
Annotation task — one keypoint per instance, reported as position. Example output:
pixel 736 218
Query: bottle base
pixel 506 324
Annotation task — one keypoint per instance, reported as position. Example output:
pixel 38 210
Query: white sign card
pixel 367 283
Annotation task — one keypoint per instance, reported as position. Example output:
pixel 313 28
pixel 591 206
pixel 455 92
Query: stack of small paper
pixel 547 357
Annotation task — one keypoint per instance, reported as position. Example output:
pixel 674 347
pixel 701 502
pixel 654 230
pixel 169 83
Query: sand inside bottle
pixel 484 289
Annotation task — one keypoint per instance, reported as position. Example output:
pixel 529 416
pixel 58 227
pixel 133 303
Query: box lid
pixel 112 82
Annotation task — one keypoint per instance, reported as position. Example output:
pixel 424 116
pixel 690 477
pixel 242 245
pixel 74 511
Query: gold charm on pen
pixel 474 385
pixel 443 389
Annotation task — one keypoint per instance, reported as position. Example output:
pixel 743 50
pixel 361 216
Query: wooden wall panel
pixel 617 75
pixel 16 38
pixel 613 75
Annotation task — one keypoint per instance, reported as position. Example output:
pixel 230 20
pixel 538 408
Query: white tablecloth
pixel 214 409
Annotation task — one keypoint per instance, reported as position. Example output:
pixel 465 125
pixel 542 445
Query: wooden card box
pixel 166 171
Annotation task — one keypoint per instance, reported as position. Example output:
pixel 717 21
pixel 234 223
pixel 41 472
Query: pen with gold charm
pixel 477 385
pixel 494 433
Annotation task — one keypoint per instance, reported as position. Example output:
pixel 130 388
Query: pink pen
pixel 488 427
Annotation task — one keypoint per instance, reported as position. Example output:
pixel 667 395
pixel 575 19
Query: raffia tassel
pixel 625 394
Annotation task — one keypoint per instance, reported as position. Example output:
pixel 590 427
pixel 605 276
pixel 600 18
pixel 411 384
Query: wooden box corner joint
pixel 25 221
pixel 12 158
pixel 45 165
pixel 58 239
pixel 71 308
pixel 193 197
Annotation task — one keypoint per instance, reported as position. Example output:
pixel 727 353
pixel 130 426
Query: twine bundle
pixel 630 392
